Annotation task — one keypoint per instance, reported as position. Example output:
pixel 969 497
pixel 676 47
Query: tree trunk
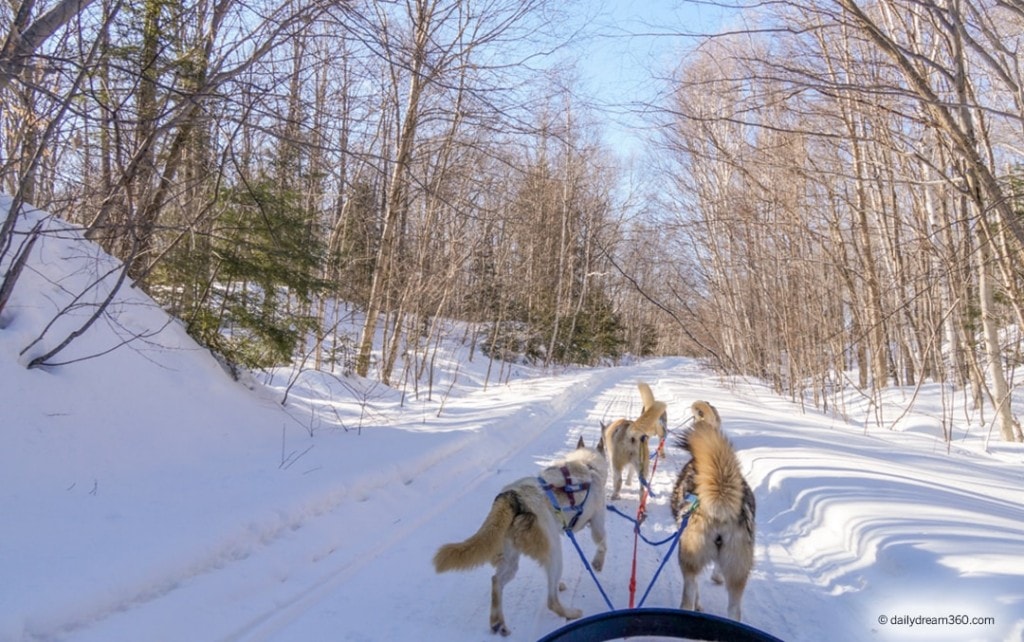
pixel 396 204
pixel 990 334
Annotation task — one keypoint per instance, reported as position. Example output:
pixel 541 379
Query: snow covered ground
pixel 144 495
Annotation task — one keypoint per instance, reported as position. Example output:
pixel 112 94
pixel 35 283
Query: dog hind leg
pixel 616 490
pixel 645 458
pixel 554 571
pixel 734 565
pixel 692 560
pixel 735 585
pixel 597 532
pixel 691 591
pixel 505 569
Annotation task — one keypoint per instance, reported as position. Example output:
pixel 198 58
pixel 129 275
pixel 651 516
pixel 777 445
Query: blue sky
pixel 635 45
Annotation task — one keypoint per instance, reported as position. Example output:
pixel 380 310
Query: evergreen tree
pixel 266 261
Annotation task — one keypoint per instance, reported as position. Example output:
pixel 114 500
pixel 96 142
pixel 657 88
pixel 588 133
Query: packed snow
pixel 146 495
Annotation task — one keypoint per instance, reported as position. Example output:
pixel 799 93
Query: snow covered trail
pixel 365 538
pixel 395 585
pixel 454 489
pixel 850 527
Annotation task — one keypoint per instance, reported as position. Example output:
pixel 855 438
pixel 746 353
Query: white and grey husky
pixel 721 529
pixel 524 518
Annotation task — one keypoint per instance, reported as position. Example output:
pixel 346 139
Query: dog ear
pixel 600 445
pixel 580 444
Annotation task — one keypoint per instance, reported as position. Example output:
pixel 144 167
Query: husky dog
pixel 704 410
pixel 524 519
pixel 721 529
pixel 627 443
pixel 659 429
pixel 707 412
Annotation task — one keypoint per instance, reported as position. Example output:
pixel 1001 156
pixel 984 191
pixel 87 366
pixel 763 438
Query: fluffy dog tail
pixel 645 394
pixel 484 545
pixel 718 481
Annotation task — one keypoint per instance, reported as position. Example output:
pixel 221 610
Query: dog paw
pixel 499 627
pixel 598 564
pixel 573 614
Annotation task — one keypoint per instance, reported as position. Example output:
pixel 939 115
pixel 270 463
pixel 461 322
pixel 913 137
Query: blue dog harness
pixel 569 514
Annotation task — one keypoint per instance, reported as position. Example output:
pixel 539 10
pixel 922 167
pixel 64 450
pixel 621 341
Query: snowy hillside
pixel 146 496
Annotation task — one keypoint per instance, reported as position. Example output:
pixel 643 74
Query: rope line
pixel 586 564
pixel 636 527
pixel 671 549
pixel 641 514
pixel 638 535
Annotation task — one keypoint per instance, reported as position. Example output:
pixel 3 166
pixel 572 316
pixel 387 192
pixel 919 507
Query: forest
pixel 830 195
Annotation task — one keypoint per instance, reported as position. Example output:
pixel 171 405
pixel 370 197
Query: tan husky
pixel 627 442
pixel 707 412
pixel 704 410
pixel 660 428
pixel 721 529
pixel 524 519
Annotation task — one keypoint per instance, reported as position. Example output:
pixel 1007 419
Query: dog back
pixel 582 467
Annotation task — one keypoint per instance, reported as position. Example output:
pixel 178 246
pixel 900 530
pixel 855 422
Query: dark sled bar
pixel 669 623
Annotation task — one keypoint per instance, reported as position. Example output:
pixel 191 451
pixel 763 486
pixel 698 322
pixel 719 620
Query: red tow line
pixel 641 514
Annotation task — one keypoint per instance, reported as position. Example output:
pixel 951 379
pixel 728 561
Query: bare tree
pixel 28 32
pixel 857 145
pixel 427 60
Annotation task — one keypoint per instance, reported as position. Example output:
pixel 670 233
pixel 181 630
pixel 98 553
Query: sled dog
pixel 524 519
pixel 721 528
pixel 707 412
pixel 659 428
pixel 627 443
